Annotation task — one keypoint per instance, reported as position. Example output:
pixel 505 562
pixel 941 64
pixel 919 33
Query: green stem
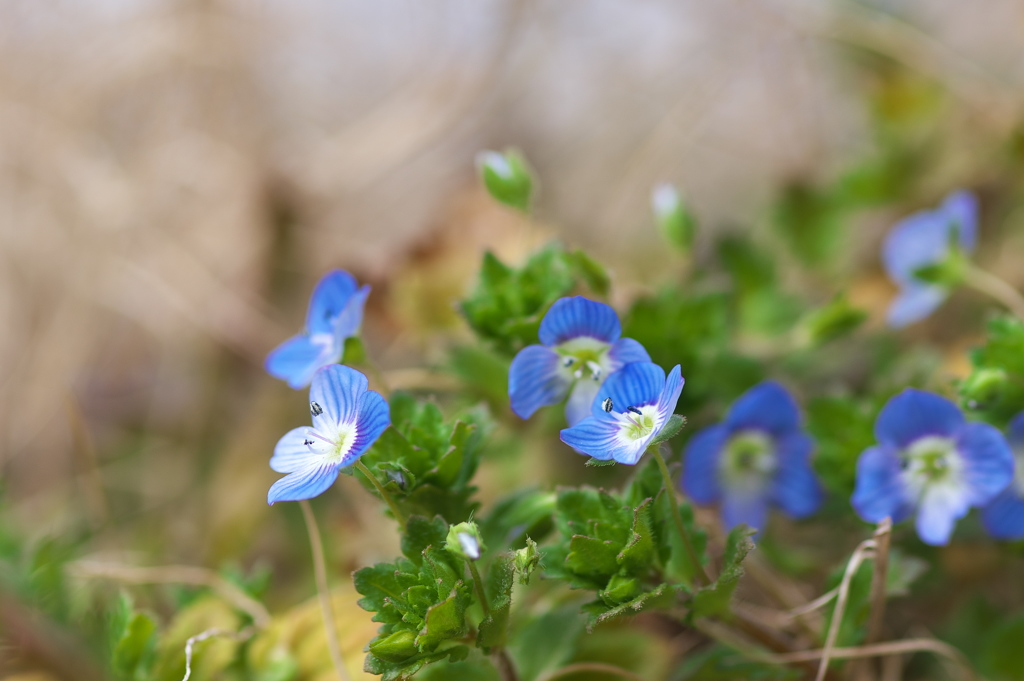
pixel 320 571
pixel 996 288
pixel 478 586
pixel 678 518
pixel 399 516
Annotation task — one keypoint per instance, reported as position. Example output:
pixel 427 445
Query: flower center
pixel 930 459
pixel 749 459
pixel 584 357
pixel 332 450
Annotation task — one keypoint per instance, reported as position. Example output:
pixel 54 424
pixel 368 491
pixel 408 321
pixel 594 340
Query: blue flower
pixel 631 408
pixel 929 460
pixel 581 348
pixel 347 419
pixel 1003 517
pixel 335 314
pixel 926 239
pixel 758 456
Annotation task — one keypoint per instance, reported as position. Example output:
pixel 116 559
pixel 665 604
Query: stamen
pixel 632 419
pixel 606 404
pixel 568 362
pixel 595 370
pixel 315 409
pixel 318 436
pixel 578 373
pixel 634 410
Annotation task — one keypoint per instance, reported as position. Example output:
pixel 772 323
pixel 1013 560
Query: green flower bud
pixel 984 387
pixel 396 647
pixel 675 221
pixel 526 560
pixel 507 177
pixel 464 541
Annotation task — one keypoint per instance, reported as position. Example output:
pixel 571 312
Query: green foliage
pixel 714 599
pixel 722 664
pixel 995 389
pixel 508 304
pixel 546 641
pixel 836 319
pixel 811 222
pixel 842 427
pixel 133 635
pixel 507 177
pixel 1003 656
pixel 500 581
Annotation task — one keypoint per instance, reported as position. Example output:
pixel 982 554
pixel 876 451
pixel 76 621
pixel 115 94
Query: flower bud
pixel 396 647
pixel 507 177
pixel 983 388
pixel 526 561
pixel 464 541
pixel 675 221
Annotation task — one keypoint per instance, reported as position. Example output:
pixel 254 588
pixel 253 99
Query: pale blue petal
pixel 351 316
pixel 744 507
pixel 298 358
pixel 880 491
pixel 767 407
pixel 626 351
pixel 577 316
pixel 670 392
pixel 913 414
pixel 595 437
pixel 700 465
pixel 374 417
pixel 535 380
pixel 303 484
pixel 634 385
pixel 938 513
pixel 795 488
pixel 328 301
pixel 337 390
pixel 1015 430
pixel 913 303
pixel 915 242
pixel 292 453
pixel 1003 517
pixel 961 210
pixel 988 461
pixel 581 399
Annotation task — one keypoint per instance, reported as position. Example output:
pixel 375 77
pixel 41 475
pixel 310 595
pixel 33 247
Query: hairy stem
pixel 320 571
pixel 677 518
pixel 996 288
pixel 399 516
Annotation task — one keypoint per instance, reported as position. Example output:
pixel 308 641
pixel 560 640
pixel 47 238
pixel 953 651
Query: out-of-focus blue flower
pixel 580 349
pixel 926 239
pixel 631 409
pixel 1004 516
pixel 929 460
pixel 335 314
pixel 347 419
pixel 758 456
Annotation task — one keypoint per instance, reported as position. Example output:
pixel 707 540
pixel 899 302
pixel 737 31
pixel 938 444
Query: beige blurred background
pixel 176 174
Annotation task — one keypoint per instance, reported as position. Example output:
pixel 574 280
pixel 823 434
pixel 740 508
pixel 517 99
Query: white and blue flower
pixel 1003 517
pixel 335 314
pixel 631 409
pixel 347 419
pixel 925 239
pixel 758 456
pixel 580 349
pixel 931 462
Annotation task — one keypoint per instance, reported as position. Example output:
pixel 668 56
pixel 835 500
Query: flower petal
pixel 633 385
pixel 581 399
pixel 374 418
pixel 535 380
pixel 767 406
pixel 880 491
pixel 1015 431
pixel 917 241
pixel 913 414
pixel 305 483
pixel 940 508
pixel 795 488
pixel 988 461
pixel 626 351
pixel 914 303
pixel 292 453
pixel 669 396
pixel 700 464
pixel 1003 517
pixel 337 390
pixel 298 358
pixel 328 301
pixel 744 507
pixel 600 438
pixel 961 210
pixel 577 316
pixel 351 316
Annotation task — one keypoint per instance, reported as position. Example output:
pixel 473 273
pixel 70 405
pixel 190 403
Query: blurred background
pixel 176 175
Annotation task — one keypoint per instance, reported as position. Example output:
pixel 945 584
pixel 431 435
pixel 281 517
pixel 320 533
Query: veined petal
pixel 626 351
pixel 374 418
pixel 914 303
pixel 669 396
pixel 767 406
pixel 795 488
pixel 336 390
pixel 915 242
pixel 914 414
pixel 581 399
pixel 298 358
pixel 700 464
pixel 941 506
pixel 594 437
pixel 961 210
pixel 305 483
pixel 1003 517
pixel 328 300
pixel 880 491
pixel 535 380
pixel 988 461
pixel 633 385
pixel 746 507
pixel 351 316
pixel 292 453
pixel 577 316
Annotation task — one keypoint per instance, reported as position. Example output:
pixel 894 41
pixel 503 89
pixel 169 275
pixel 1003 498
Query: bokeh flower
pixel 631 409
pixel 929 460
pixel 758 456
pixel 335 314
pixel 1003 517
pixel 347 419
pixel 928 239
pixel 580 349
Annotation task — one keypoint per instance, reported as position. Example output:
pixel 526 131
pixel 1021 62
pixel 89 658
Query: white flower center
pixel 748 460
pixel 931 465
pixel 332 450
pixel 584 358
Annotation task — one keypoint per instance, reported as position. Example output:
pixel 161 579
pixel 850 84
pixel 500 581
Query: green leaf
pixel 135 645
pixel 546 642
pixel 526 513
pixel 1003 656
pixel 663 596
pixel 500 580
pixel 592 557
pixel 421 533
pixel 639 554
pixel 810 221
pixel 445 620
pixel 836 319
pixel 672 427
pixel 713 600
pixel 396 647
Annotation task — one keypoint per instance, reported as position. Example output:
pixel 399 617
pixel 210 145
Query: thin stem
pixel 677 518
pixel 883 534
pixel 506 670
pixel 863 551
pixel 320 571
pixel 399 516
pixel 596 667
pixel 996 288
pixel 478 587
